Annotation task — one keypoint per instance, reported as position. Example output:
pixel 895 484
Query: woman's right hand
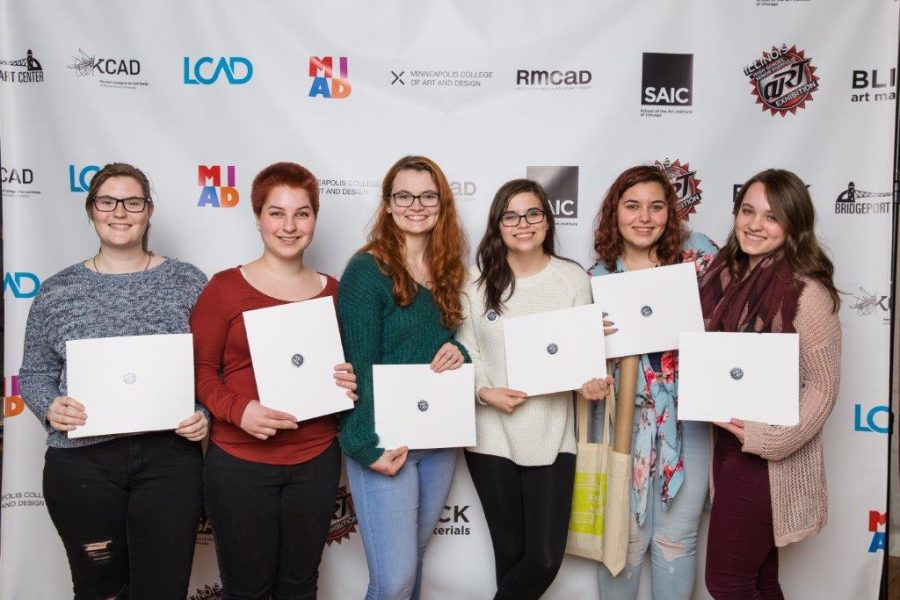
pixel 503 399
pixel 65 413
pixel 608 328
pixel 262 423
pixel 390 461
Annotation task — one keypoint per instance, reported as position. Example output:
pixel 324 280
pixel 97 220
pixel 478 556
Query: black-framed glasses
pixel 532 216
pixel 134 204
pixel 426 199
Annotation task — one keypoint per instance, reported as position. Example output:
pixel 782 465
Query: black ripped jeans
pixel 127 511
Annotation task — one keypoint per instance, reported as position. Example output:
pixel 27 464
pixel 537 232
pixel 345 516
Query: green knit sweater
pixel 378 332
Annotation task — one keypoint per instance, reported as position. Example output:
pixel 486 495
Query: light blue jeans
pixel 397 516
pixel 670 534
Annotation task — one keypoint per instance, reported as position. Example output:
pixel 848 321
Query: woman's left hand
pixel 193 428
pixel 735 426
pixel 608 328
pixel 596 388
pixel 345 377
pixel 447 357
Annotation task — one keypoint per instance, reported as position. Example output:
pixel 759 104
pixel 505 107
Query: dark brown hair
pixel 119 170
pixel 287 174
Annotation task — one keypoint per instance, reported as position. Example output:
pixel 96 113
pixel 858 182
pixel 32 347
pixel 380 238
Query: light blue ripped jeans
pixel 670 534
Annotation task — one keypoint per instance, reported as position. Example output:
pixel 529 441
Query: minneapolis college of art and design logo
pixel 324 83
pixel 687 186
pixel 852 201
pixel 213 192
pixel 561 184
pixel 439 78
pixel 343 520
pixel 666 84
pixel 22 70
pixel 783 79
pixel 111 72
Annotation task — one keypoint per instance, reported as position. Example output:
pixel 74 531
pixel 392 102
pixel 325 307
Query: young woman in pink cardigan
pixel 772 276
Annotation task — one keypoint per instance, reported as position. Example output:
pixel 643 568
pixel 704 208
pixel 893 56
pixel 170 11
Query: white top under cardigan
pixel 543 426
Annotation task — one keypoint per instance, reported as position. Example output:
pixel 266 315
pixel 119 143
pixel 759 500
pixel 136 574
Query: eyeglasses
pixel 426 199
pixel 109 204
pixel 532 217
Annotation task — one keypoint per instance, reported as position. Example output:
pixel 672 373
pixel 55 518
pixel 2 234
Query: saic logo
pixel 877 526
pixel 21 176
pixel 22 285
pixel 343 519
pixel 87 64
pixel 783 79
pixel 555 79
pixel 687 186
pixel 667 79
pixel 561 184
pixel 453 521
pixel 322 70
pixel 237 69
pixel 870 425
pixel 214 193
pixel 82 181
pixel 12 399
pixel 862 81
pixel 846 203
pixel 32 73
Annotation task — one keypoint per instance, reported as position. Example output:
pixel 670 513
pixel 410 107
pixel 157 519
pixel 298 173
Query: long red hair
pixel 445 253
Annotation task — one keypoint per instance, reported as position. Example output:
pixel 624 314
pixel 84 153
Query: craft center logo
pixel 561 185
pixel 349 186
pixel 21 284
pixel 13 404
pixel 343 520
pixel 783 79
pixel 324 83
pixel 17 182
pixel 687 186
pixel 453 521
pixel 871 303
pixel 440 78
pixel 22 70
pixel 553 79
pixel 876 419
pixel 667 84
pixel 212 192
pixel 877 527
pixel 207 70
pixel 874 80
pixel 119 73
pixel 852 201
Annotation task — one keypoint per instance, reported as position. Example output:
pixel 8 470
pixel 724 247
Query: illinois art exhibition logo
pixel 561 184
pixel 667 82
pixel 108 71
pixel 686 183
pixel 22 70
pixel 783 79
pixel 343 520
pixel 853 201
pixel 214 190
pixel 326 83
pixel 206 70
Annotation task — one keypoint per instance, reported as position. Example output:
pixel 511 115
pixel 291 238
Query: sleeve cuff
pixel 753 437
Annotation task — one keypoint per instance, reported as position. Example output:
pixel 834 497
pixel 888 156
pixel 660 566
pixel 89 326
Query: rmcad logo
pixel 22 285
pixel 207 70
pixel 214 193
pixel 322 70
pixel 81 182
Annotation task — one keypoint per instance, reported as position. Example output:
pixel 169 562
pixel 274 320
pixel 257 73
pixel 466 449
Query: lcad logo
pixel 22 285
pixel 82 181
pixel 207 70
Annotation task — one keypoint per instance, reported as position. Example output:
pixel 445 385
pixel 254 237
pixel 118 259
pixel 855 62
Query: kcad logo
pixel 22 70
pixel 112 72
pixel 237 70
pixel 324 83
pixel 687 186
pixel 561 185
pixel 783 79
pixel 212 192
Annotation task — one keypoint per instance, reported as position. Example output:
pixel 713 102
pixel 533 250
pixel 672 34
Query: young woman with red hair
pixel 400 304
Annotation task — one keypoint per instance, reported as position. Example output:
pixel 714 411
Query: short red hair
pixel 287 174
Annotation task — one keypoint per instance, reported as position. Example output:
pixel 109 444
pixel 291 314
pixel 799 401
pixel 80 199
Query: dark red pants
pixel 741 557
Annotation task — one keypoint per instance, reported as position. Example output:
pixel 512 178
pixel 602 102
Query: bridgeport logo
pixel 207 70
pixel 81 182
pixel 213 193
pixel 322 71
pixel 22 285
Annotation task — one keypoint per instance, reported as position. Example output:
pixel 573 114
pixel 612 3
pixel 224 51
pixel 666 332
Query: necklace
pixel 147 266
pixel 653 263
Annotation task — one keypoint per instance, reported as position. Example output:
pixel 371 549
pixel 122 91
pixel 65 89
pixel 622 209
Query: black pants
pixel 527 512
pixel 270 522
pixel 127 511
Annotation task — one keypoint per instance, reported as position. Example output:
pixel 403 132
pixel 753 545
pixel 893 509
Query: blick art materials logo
pixel 783 79
pixel 324 83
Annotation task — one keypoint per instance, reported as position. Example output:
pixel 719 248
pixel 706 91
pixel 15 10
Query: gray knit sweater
pixel 78 303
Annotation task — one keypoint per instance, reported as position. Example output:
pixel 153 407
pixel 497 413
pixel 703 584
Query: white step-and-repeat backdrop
pixel 202 95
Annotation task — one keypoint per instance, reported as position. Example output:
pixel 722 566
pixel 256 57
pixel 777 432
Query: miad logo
pixel 80 178
pixel 213 193
pixel 343 520
pixel 874 80
pixel 207 70
pixel 23 285
pixel 848 202
pixel 870 423
pixel 877 527
pixel 322 72
pixel 12 399
pixel 783 79
pixel 561 185
pixel 23 70
pixel 687 186
pixel 453 521
pixel 667 79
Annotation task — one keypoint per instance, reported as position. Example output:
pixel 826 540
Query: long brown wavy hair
pixel 792 206
pixel 445 253
pixel 608 241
